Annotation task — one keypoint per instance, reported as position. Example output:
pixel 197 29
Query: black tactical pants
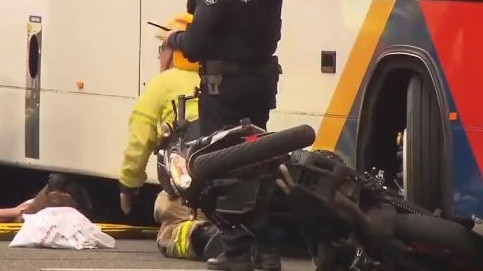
pixel 240 96
pixel 259 231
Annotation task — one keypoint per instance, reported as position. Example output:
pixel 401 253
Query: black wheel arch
pixel 408 61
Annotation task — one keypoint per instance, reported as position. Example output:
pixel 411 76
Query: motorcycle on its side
pixel 351 221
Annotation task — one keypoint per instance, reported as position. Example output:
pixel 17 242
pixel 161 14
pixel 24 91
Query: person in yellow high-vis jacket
pixel 178 76
pixel 179 236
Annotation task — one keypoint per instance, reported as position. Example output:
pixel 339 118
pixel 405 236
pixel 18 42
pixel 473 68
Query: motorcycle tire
pixel 269 146
pixel 442 233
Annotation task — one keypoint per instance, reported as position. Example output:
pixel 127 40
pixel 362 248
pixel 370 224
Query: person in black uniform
pixel 235 41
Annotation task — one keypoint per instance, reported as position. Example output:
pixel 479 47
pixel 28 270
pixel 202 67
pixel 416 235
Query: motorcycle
pixel 351 221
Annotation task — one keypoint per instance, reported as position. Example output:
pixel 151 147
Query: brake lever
pixel 285 182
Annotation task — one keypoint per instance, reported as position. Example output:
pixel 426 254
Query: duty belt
pixel 221 67
pixel 212 71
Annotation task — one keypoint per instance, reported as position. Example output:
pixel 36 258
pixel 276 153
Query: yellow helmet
pixel 180 22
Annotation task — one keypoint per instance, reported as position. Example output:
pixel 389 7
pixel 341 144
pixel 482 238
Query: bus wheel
pixel 423 146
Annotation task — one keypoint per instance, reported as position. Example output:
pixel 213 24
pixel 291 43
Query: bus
pixel 412 70
pixel 371 76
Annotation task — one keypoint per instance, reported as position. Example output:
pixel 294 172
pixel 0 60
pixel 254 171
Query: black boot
pixel 207 242
pixel 241 262
pixel 267 261
pixel 214 245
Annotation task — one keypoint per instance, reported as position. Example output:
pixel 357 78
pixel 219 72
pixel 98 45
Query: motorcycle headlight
pixel 179 173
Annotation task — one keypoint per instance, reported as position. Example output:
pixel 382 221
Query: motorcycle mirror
pixel 166 130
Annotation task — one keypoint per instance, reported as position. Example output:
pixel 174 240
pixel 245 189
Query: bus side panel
pixel 12 119
pixel 92 41
pixel 468 188
pixel 78 132
pixel 304 91
pixel 82 131
pixel 13 48
pixel 87 133
pixel 13 71
pixel 457 41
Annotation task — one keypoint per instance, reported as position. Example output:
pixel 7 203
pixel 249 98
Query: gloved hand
pixel 127 198
pixel 164 35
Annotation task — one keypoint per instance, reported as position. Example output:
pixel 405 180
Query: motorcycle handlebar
pixel 180 109
pixel 237 129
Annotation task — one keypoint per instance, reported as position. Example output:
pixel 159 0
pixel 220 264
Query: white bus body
pixel 107 46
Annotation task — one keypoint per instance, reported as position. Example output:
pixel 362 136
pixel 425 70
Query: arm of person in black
pixel 193 42
pixel 191 6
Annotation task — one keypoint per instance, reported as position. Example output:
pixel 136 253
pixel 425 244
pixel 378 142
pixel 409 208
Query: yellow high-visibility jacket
pixel 151 109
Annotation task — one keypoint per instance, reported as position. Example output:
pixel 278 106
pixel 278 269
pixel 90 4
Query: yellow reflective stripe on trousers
pixel 182 238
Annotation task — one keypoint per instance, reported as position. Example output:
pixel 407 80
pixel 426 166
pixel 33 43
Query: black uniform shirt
pixel 240 31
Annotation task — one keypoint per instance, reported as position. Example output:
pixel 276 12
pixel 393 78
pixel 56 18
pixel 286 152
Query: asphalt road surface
pixel 135 255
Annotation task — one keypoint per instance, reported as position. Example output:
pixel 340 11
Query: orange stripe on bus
pixel 351 77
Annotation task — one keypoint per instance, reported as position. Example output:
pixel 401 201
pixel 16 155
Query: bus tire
pixel 423 153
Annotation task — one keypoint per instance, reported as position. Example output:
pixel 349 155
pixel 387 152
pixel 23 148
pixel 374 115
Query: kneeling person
pixel 179 236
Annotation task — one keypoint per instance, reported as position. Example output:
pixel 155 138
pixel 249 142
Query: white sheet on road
pixel 61 227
